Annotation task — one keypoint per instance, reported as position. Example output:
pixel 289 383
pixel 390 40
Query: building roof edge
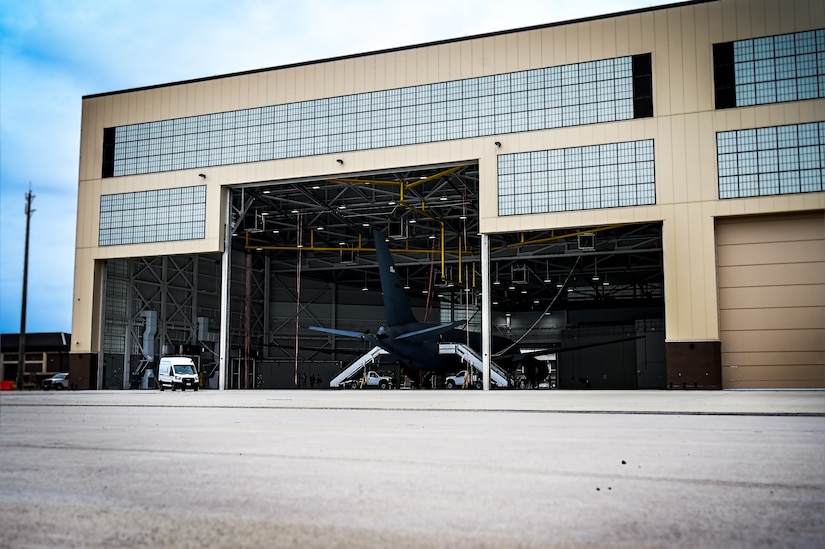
pixel 401 48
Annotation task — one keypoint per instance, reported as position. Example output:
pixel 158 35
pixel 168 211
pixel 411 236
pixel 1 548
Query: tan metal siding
pixel 771 275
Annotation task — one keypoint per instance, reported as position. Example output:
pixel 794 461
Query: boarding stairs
pixel 467 355
pixel 367 358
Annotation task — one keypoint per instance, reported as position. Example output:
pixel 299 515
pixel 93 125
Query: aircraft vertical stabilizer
pixel 396 305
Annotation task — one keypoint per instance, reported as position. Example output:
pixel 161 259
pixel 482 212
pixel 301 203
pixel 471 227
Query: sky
pixel 54 52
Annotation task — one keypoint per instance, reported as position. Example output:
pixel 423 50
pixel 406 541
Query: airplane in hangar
pixel 414 345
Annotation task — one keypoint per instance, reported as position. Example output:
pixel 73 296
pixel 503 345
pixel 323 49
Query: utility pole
pixel 21 348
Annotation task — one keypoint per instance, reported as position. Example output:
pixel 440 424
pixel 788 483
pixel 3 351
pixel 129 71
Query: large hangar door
pixel 772 300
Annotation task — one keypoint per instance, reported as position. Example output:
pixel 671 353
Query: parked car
pixel 57 381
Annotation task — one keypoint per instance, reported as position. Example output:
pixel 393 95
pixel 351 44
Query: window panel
pixel 591 92
pixel 152 216
pixel 577 178
pixel 773 69
pixel 770 161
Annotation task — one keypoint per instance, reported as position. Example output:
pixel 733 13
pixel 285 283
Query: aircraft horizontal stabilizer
pixel 333 331
pixel 431 332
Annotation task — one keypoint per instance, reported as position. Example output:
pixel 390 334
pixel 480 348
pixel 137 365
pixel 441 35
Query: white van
pixel 177 372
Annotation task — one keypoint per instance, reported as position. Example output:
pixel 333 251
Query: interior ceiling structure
pixel 430 216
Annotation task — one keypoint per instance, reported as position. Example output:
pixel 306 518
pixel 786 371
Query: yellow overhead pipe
pixel 443 260
pixel 523 242
pixel 402 184
pixel 401 187
pixel 434 176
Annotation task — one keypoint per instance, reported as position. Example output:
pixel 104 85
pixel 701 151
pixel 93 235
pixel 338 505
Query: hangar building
pixel 642 191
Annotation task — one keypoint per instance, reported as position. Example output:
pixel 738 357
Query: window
pixel 152 216
pixel 772 69
pixel 577 178
pixel 771 161
pixel 584 93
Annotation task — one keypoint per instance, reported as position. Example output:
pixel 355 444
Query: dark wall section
pixel 614 357
pixel 724 80
pixel 83 370
pixel 694 365
pixel 642 86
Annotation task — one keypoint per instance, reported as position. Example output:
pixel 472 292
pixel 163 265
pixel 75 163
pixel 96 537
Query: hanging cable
pixel 546 310
pixel 428 302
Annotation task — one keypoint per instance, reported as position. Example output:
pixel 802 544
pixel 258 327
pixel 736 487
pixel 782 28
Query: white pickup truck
pixel 372 379
pixel 457 380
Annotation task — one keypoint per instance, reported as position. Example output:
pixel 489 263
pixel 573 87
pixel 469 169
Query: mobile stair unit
pixel 466 355
pixel 363 361
pixel 472 359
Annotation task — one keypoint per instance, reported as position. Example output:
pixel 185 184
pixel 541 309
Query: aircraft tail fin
pixel 396 305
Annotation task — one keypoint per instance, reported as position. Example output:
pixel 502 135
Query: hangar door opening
pixel 594 294
pixel 771 272
pixel 586 304
pixel 156 306
pixel 308 259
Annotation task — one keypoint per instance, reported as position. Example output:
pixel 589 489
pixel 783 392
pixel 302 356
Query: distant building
pixel 46 354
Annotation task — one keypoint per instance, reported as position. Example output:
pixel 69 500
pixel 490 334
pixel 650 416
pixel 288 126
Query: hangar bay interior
pixel 302 253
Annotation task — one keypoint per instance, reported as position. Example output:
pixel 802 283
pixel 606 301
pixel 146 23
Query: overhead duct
pixel 149 332
pixel 203 330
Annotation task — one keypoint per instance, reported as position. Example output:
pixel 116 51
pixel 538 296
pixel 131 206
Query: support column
pixel 226 275
pixel 130 325
pixel 100 308
pixel 485 310
pixel 267 301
